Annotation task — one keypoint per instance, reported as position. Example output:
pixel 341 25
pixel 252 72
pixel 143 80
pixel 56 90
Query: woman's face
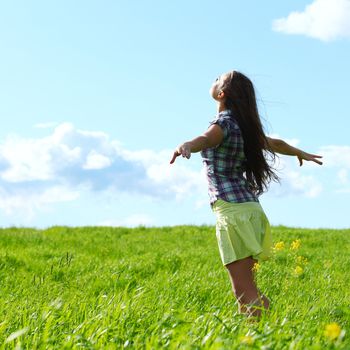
pixel 217 85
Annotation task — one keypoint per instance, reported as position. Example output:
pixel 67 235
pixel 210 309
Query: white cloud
pixel 95 160
pixel 36 173
pixel 322 19
pixel 29 200
pixel 55 168
pixel 336 156
pixel 177 179
pixel 294 179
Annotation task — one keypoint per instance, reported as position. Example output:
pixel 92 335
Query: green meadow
pixel 165 288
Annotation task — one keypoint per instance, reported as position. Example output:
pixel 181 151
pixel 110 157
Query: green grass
pixel 165 288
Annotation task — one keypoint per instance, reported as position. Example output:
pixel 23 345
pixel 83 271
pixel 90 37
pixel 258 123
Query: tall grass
pixel 165 288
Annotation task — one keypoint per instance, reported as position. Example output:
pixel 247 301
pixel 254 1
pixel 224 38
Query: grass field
pixel 165 288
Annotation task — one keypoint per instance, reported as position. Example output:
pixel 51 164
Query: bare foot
pixel 254 310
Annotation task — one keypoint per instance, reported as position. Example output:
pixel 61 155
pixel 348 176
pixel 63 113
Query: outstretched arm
pixel 211 138
pixel 282 147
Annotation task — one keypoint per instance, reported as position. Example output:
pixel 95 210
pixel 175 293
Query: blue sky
pixel 96 95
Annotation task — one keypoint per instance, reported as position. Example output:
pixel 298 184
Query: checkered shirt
pixel 225 164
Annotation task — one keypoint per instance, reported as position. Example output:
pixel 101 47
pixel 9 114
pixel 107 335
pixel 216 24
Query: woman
pixel 234 151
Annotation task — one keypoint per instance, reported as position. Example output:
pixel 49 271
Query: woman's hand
pixel 184 150
pixel 308 156
pixel 211 138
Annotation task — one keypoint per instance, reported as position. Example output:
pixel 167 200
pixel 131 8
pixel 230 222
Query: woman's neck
pixel 221 107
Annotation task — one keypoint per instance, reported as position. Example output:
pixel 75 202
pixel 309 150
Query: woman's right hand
pixel 184 150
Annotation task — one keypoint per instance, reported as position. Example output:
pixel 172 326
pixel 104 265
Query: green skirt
pixel 242 230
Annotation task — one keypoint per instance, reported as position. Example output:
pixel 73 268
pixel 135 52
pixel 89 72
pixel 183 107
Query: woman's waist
pixel 221 206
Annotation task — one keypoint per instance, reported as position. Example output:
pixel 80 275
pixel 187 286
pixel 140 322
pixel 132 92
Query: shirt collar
pixel 224 113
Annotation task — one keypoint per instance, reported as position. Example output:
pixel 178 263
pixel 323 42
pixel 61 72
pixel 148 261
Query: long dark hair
pixel 241 100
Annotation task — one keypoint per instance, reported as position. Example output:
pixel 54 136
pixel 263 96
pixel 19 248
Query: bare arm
pixel 282 147
pixel 211 138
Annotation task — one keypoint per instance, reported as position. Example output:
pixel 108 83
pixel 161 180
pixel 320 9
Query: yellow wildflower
pixel 298 270
pixel 279 246
pixel 332 330
pixel 247 339
pixel 256 267
pixel 295 244
pixel 301 260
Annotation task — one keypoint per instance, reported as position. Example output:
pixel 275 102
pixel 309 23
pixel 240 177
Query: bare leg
pixel 250 299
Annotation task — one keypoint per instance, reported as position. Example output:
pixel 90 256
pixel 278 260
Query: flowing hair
pixel 240 99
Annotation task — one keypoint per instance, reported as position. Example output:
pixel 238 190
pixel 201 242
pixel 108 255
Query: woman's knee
pixel 241 265
pixel 240 271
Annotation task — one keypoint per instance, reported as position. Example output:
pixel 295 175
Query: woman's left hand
pixel 308 156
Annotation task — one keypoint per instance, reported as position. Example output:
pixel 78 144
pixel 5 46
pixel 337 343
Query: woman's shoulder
pixel 226 121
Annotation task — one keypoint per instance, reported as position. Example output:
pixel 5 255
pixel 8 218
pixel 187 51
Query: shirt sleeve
pixel 224 124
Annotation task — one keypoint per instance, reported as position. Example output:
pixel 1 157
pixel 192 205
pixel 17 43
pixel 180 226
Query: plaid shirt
pixel 225 164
